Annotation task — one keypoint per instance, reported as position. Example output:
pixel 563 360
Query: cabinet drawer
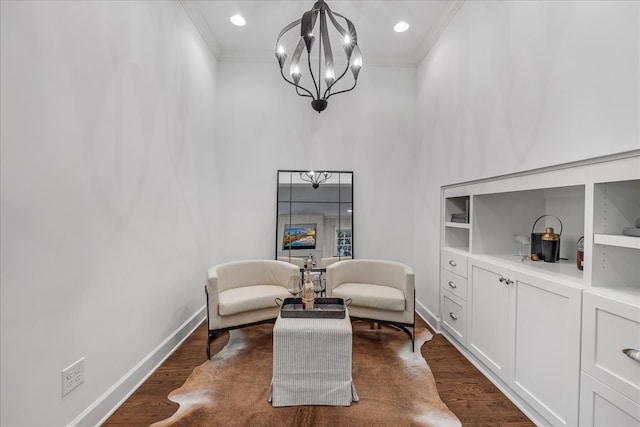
pixel 454 262
pixel 603 406
pixel 453 283
pixel 454 317
pixel 610 326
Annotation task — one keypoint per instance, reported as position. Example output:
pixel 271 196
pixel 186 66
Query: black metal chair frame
pixel 398 325
pixel 213 333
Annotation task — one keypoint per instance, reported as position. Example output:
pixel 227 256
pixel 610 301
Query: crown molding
pixel 434 35
pixel 263 56
pixel 203 28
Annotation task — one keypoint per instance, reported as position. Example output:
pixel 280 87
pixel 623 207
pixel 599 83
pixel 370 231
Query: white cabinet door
pixel 488 316
pixel 546 346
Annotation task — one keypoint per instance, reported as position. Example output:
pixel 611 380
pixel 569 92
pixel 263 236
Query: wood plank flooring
pixel 471 396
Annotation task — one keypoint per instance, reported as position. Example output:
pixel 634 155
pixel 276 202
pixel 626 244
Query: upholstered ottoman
pixel 312 362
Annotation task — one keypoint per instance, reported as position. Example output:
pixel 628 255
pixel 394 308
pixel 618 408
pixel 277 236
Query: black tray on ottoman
pixel 323 308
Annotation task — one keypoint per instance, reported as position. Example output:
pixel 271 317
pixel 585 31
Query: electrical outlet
pixel 72 376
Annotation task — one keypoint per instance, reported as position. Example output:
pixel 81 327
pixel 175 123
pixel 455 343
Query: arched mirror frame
pixel 326 212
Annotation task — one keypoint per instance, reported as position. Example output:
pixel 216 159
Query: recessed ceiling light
pixel 238 20
pixel 401 27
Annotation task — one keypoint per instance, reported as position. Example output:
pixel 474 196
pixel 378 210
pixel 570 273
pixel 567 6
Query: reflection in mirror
pixel 314 217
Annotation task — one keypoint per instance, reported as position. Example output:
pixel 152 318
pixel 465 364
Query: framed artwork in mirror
pixel 299 236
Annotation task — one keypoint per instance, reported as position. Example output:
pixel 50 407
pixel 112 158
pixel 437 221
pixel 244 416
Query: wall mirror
pixel 314 216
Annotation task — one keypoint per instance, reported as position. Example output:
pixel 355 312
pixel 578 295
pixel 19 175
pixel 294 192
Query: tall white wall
pixel 264 126
pixel 108 194
pixel 514 85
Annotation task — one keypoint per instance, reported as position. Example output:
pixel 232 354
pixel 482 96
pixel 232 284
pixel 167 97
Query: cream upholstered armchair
pixel 243 293
pixel 293 260
pixel 326 262
pixel 381 291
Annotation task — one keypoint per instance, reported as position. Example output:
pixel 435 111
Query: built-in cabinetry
pixel 526 329
pixel 453 285
pixel 549 334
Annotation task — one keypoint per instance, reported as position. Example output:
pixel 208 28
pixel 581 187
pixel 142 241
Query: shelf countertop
pixel 567 271
pixel 457 224
pixel 626 294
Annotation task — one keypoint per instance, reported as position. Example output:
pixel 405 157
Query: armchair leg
pixel 403 327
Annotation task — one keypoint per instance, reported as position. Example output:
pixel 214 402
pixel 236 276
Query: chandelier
pixel 324 55
pixel 315 178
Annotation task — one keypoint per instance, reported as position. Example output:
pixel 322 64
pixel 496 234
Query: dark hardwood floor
pixel 471 396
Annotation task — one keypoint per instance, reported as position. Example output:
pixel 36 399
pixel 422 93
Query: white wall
pixel 514 85
pixel 108 193
pixel 264 126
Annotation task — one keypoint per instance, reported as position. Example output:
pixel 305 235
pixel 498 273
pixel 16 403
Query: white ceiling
pixel 374 21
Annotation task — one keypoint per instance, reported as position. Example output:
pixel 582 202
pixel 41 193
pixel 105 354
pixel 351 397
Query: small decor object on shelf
pixel 536 241
pixel 550 245
pixel 580 254
pixel 631 231
pixel 523 246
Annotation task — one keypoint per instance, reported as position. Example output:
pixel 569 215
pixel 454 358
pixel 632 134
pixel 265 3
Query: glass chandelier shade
pixel 315 32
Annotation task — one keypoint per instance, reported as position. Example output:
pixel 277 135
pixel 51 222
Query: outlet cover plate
pixel 72 376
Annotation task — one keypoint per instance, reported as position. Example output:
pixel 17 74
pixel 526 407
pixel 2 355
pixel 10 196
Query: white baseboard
pixel 98 412
pixel 428 316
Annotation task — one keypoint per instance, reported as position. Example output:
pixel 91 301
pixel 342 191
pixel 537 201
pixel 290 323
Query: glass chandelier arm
pixel 297 86
pixel 352 34
pixel 352 29
pixel 328 91
pixel 355 82
pixel 306 29
pixel 303 94
pixel 335 23
pixel 287 28
pixel 313 77
pixel 330 74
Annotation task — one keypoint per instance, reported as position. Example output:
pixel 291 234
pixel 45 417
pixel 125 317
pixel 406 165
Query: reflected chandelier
pixel 315 178
pixel 324 54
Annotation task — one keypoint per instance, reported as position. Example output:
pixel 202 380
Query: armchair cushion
pixel 373 296
pixel 249 298
pixel 379 289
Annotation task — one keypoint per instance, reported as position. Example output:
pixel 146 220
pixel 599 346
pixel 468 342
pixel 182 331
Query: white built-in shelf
pixel 458 225
pixel 462 250
pixel 619 240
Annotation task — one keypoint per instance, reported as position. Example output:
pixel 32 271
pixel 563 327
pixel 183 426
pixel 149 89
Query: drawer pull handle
pixel 452 263
pixel 502 279
pixel 453 285
pixel 453 316
pixel 509 282
pixel 632 354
